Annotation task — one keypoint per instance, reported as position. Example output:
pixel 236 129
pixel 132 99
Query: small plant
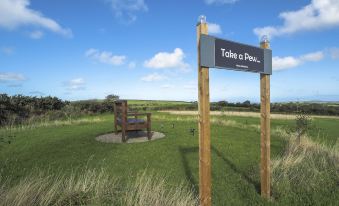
pixel 303 123
pixel 6 138
pixel 192 130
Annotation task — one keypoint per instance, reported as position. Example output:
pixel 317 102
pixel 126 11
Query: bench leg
pixel 123 135
pixel 115 129
pixel 149 133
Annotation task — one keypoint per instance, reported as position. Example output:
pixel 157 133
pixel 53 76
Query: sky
pixel 147 49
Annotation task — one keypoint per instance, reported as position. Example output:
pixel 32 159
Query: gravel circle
pixel 132 137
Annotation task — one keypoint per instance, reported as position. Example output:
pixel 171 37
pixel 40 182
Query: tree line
pixel 19 109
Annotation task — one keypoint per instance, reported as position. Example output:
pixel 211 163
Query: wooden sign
pixel 225 54
pixel 219 53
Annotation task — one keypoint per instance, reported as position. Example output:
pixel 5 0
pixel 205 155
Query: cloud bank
pixel 105 57
pixel 163 60
pixel 75 84
pixel 125 10
pixel 16 13
pixel 319 14
pixel 283 63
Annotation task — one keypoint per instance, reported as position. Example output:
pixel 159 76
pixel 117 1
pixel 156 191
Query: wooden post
pixel 265 142
pixel 204 124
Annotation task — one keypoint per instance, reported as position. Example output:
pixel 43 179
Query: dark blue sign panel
pixel 226 54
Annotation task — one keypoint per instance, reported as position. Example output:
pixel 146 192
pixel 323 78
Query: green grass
pixel 235 154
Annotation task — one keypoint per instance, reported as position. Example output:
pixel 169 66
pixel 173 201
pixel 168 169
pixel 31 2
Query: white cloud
pixel 334 52
pixel 105 57
pixel 282 63
pixel 164 60
pixel 153 77
pixel 75 84
pixel 7 50
pixel 125 10
pixel 36 34
pixel 15 13
pixel 214 28
pixel 319 14
pixel 313 57
pixel 220 1
pixel 8 77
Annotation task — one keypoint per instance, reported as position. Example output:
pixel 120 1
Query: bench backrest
pixel 120 110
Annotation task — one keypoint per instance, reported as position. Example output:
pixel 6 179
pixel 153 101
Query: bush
pixel 18 108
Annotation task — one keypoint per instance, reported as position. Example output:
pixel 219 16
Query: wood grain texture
pixel 204 127
pixel 265 139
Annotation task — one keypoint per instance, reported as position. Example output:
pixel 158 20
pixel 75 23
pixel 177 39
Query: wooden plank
pixel 265 139
pixel 204 127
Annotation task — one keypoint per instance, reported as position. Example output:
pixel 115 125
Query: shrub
pixel 18 108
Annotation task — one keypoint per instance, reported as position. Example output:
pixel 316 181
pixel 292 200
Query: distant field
pixel 311 108
pixel 157 102
pixel 248 114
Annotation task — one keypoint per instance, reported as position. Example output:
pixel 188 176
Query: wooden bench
pixel 121 119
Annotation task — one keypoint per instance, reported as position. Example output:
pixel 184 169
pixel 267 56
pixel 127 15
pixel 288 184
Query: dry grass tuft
pixel 47 123
pixel 305 167
pixel 147 191
pixel 92 187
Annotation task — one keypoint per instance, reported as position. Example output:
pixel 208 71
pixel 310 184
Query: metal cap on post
pixel 265 42
pixel 201 20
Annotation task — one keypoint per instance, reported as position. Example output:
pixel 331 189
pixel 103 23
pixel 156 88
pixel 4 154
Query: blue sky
pixel 146 49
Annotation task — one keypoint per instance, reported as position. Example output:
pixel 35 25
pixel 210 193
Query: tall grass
pixel 214 120
pixel 245 114
pixel 93 187
pixel 49 123
pixel 306 170
pixel 152 191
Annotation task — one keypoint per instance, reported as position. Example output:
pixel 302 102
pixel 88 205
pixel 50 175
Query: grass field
pixel 70 146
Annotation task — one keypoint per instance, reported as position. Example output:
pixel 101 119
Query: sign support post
pixel 204 123
pixel 224 54
pixel 265 139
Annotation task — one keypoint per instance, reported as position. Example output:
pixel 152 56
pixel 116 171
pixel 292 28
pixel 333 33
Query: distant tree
pixel 222 103
pixel 246 103
pixel 112 97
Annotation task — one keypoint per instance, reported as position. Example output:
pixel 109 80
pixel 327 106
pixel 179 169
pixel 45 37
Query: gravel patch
pixel 132 137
